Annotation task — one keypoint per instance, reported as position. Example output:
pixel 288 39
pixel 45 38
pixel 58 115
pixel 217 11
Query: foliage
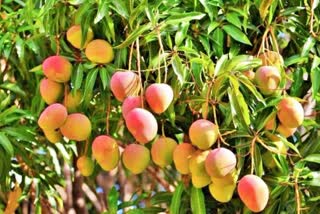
pixel 201 48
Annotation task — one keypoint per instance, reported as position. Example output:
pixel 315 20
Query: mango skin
pixel 222 193
pixel 290 112
pixel 162 151
pixel 57 68
pixel 74 36
pixel 142 125
pixel 285 131
pixel 72 101
pixel 159 96
pixel 53 136
pixel 85 165
pixel 271 58
pixel 99 51
pixel 50 91
pixel 53 117
pixel 220 162
pixel 129 103
pixel 124 83
pixel 203 133
pixel 253 192
pixel 106 151
pixel 200 181
pixel 199 176
pixel 181 156
pixel 268 79
pixel 77 127
pixel 136 158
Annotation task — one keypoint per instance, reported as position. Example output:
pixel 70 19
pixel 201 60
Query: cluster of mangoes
pixel 205 165
pixel 60 118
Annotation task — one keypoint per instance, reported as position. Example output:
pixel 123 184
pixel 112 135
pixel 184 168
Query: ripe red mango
pixel 181 156
pixel 99 51
pixel 124 83
pixel 203 133
pixel 53 117
pixel 130 103
pixel 159 96
pixel 142 125
pixel 253 192
pixel 50 91
pixel 77 127
pixel 74 36
pixel 106 151
pixel 290 112
pixel 162 151
pixel 268 79
pixel 220 162
pixel 136 158
pixel 57 68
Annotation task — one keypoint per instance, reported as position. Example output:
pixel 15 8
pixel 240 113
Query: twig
pixel 92 197
pixel 163 182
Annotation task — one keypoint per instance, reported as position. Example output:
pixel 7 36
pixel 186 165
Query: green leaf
pixel 233 18
pixel 183 17
pixel 89 85
pixel 161 197
pixel 103 8
pixel 238 104
pixel 236 34
pixel 315 158
pixel 6 145
pixel 105 77
pixel 263 8
pixel 176 199
pixel 134 35
pixel 307 46
pixel 315 79
pixel 197 200
pixel 178 68
pixel 113 197
pixel 14 88
pixel 77 77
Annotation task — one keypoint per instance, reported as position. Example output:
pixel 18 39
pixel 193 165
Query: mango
pixel 77 127
pixel 290 112
pixel 253 192
pixel 72 101
pixel 203 133
pixel 200 181
pixel 222 193
pixel 197 163
pixel 74 36
pixel 50 91
pixel 271 58
pixel 99 51
pixel 124 83
pixel 142 125
pixel 57 68
pixel 53 136
pixel 85 165
pixel 106 151
pixel 220 162
pixel 162 151
pixel 129 103
pixel 268 79
pixel 53 117
pixel 136 158
pixel 159 96
pixel 181 156
pixel 285 131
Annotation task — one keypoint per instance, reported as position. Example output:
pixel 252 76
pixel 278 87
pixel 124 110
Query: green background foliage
pixel 201 48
